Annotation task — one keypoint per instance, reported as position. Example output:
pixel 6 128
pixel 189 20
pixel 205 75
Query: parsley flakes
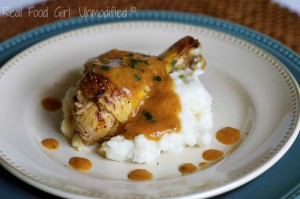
pixel 147 115
pixel 181 76
pixel 173 63
pixel 137 77
pixel 157 78
pixel 138 61
pixel 105 67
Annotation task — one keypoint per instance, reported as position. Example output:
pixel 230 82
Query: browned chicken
pixel 115 85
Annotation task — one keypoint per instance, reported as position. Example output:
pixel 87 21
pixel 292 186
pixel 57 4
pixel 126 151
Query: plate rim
pixel 16 40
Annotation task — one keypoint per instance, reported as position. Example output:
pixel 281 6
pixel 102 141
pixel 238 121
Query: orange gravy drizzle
pixel 228 135
pixel 187 168
pixel 203 164
pixel 212 154
pixel 51 104
pixel 80 164
pixel 50 143
pixel 154 102
pixel 140 175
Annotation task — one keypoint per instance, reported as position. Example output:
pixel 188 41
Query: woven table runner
pixel 261 15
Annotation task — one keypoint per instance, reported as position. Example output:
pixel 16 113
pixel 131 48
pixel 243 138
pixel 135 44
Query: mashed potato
pixel 196 123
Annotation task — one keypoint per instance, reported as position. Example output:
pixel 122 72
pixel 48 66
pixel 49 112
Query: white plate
pixel 252 91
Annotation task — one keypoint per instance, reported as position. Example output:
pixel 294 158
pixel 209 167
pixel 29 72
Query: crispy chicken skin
pixel 102 103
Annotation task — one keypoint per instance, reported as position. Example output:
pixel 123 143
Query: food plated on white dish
pixel 246 84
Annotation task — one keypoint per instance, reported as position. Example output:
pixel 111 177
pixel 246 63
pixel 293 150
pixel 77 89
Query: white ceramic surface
pixel 252 91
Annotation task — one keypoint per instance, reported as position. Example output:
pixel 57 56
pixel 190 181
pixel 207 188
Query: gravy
pixel 187 168
pixel 149 88
pixel 140 175
pixel 50 143
pixel 51 104
pixel 212 154
pixel 80 164
pixel 228 135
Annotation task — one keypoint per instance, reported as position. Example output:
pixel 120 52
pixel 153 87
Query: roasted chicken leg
pixel 115 85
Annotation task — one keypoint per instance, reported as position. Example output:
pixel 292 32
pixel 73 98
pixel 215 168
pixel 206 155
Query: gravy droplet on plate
pixel 187 168
pixel 203 164
pixel 212 154
pixel 50 143
pixel 80 164
pixel 228 135
pixel 51 104
pixel 140 175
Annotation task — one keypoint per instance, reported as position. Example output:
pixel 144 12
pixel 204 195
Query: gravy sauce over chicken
pixel 126 93
pixel 149 89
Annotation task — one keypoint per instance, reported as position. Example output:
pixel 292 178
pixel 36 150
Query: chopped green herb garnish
pixel 181 76
pixel 173 63
pixel 94 64
pixel 157 78
pixel 105 67
pixel 137 77
pixel 133 66
pixel 138 61
pixel 147 115
pixel 94 71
